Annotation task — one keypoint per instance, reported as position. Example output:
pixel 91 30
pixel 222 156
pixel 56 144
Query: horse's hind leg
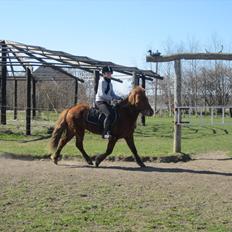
pixel 63 141
pixel 79 145
pixel 109 150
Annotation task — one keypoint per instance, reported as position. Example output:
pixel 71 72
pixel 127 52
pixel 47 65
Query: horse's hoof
pixel 97 162
pixel 55 160
pixel 90 162
pixel 142 165
pixel 59 158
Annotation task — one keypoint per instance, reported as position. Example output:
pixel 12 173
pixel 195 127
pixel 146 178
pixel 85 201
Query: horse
pixel 72 122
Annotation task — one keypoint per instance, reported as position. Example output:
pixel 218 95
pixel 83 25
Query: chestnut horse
pixel 72 122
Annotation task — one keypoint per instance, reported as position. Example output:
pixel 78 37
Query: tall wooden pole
pixel 135 79
pixel 28 109
pixel 143 120
pixel 96 80
pixel 15 99
pixel 96 75
pixel 156 88
pixel 76 92
pixel 3 84
pixel 177 102
pixel 33 98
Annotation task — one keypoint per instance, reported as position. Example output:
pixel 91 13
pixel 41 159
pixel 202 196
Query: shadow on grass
pixel 27 141
pixel 36 139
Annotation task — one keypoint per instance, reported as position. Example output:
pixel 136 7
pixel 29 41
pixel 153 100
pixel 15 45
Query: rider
pixel 105 94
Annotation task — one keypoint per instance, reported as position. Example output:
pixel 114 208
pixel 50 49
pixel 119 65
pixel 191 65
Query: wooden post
pixel 3 84
pixel 33 98
pixel 177 102
pixel 76 92
pixel 28 109
pixel 135 79
pixel 96 80
pixel 143 120
pixel 15 99
pixel 156 88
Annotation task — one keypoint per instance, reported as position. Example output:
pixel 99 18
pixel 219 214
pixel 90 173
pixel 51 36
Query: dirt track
pixel 205 182
pixel 210 167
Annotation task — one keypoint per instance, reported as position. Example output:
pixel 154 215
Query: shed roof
pixel 22 55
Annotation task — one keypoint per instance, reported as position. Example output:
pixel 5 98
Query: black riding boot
pixel 107 129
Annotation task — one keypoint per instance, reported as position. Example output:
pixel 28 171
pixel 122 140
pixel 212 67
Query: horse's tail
pixel 60 128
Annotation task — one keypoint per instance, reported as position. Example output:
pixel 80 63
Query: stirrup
pixel 107 136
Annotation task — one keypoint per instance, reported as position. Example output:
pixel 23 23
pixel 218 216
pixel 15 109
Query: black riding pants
pixel 106 110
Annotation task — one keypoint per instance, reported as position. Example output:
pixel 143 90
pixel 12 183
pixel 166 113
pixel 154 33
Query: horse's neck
pixel 131 110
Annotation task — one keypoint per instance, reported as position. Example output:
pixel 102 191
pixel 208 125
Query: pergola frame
pixel 22 58
pixel 156 57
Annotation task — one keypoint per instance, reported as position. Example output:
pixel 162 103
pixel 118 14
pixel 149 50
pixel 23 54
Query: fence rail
pixel 40 124
pixel 204 115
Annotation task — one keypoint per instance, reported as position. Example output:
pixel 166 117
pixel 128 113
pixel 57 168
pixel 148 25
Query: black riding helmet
pixel 107 69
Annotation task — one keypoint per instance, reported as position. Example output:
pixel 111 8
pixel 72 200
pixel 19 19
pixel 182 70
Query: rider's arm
pixel 113 95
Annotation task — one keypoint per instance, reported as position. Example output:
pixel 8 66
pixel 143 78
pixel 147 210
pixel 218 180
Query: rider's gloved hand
pixel 114 102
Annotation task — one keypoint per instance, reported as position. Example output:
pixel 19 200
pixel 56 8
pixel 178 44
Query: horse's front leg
pixel 131 144
pixel 110 147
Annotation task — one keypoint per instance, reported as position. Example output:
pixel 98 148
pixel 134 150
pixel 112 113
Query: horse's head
pixel 139 100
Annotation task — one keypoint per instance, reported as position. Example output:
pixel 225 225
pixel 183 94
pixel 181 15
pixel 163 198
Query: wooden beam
pixel 90 63
pixel 116 79
pixel 46 63
pixel 3 84
pixel 19 59
pixel 24 79
pixel 177 103
pixel 190 56
pixel 135 79
pixel 28 108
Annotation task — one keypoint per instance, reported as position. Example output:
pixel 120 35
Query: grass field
pixel 155 139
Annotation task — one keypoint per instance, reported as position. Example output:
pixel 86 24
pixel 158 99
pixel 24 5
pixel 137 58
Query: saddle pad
pixel 97 118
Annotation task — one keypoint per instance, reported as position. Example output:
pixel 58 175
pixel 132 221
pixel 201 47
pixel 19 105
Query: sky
pixel 120 31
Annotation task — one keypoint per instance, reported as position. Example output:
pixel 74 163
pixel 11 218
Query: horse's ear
pixel 131 99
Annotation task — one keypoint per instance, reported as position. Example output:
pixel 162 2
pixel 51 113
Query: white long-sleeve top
pixel 101 92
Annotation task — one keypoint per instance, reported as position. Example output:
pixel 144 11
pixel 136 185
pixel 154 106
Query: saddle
pixel 97 118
